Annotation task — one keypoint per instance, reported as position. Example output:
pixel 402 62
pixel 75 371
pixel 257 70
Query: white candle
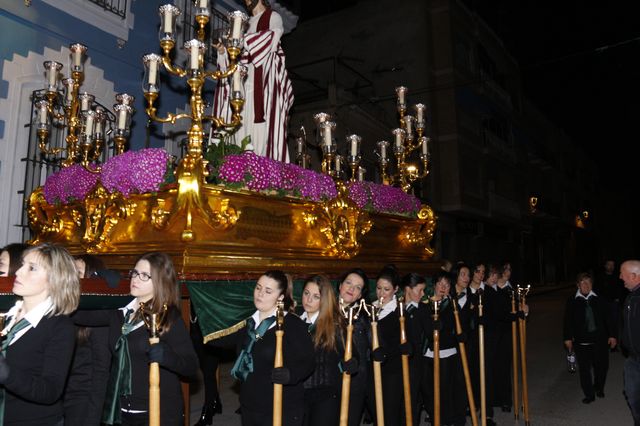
pixel 425 145
pixel 236 27
pixel 408 121
pixel 77 57
pixel 204 3
pixel 153 72
pixel 84 103
pixel 401 92
pixel 42 112
pixel 338 163
pixel 398 134
pixel 52 73
pixel 122 119
pixel 300 144
pixel 419 113
pixel 237 80
pixel 327 134
pixel 168 20
pixel 98 130
pixel 195 52
pixel 88 127
pixel 354 146
pixel 383 151
pixel 361 172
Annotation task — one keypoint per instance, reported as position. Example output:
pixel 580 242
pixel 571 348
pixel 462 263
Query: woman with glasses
pixel 155 290
pixel 37 343
pixel 352 289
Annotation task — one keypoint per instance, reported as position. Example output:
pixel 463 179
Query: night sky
pixel 580 64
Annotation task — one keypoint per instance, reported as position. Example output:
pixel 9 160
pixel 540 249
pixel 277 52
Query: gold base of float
pixel 217 232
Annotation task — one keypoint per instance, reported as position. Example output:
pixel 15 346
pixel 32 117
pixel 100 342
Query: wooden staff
pixel 153 322
pixel 436 365
pixel 406 380
pixel 465 367
pixel 483 390
pixel 522 293
pixel 350 314
pixel 514 361
pixel 277 363
pixel 377 371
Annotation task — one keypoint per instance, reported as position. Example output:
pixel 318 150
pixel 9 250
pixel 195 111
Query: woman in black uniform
pixel 153 284
pixel 326 326
pixel 353 287
pixel 38 338
pixel 254 366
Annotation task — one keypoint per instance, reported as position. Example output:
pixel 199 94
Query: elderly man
pixel 630 274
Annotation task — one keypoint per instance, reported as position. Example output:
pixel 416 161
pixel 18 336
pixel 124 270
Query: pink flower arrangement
pixel 135 171
pixel 131 172
pixel 263 174
pixel 69 184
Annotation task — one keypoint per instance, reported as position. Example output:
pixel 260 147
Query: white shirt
pixel 256 318
pixel 591 294
pixel 309 320
pixel 134 305
pixel 33 317
pixel 389 307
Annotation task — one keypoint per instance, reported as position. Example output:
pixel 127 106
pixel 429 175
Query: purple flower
pixel 135 171
pixel 69 184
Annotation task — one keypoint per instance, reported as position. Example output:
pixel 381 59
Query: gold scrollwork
pixel 44 219
pixel 421 231
pixel 341 222
pixel 102 212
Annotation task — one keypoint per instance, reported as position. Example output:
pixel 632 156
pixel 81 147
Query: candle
pixel 361 172
pixel 237 80
pixel 42 112
pixel 236 25
pixel 84 102
pixel 399 136
pixel 68 84
pixel 425 145
pixel 77 57
pixel 204 3
pixel 52 73
pixel 153 72
pixel 88 126
pixel 327 127
pixel 195 53
pixel 338 163
pixel 168 20
pixel 122 118
pixel 408 121
pixel 401 92
pixel 99 122
pixel 383 149
pixel 300 145
pixel 355 142
pixel 419 113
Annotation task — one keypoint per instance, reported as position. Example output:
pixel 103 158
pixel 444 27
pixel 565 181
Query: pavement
pixel 555 397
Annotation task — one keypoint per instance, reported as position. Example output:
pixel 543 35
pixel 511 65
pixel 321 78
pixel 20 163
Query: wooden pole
pixel 436 367
pixel 278 362
pixel 465 367
pixel 406 379
pixel 483 390
pixel 348 353
pixel 377 374
pixel 523 357
pixel 514 354
pixel 154 389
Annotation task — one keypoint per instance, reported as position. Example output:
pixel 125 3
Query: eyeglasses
pixel 142 275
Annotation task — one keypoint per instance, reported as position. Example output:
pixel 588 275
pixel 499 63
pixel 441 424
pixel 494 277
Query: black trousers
pixel 503 370
pixel 453 399
pixel 593 364
pixel 321 406
pixel 208 357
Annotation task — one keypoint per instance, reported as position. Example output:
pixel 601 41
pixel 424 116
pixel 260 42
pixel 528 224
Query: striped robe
pixel 268 90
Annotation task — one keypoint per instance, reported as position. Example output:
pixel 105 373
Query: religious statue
pixel 268 90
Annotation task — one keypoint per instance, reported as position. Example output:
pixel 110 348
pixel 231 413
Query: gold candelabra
pixel 191 171
pixel 87 124
pixel 407 138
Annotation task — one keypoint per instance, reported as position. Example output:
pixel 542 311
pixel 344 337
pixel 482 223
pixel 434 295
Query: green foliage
pixel 216 153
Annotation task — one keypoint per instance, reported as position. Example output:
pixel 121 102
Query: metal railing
pixel 117 7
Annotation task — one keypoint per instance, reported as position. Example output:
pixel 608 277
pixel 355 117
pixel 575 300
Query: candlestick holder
pixel 192 169
pixel 84 123
pixel 407 139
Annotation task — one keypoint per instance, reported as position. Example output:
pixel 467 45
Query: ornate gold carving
pixel 341 222
pixel 102 212
pixel 420 232
pixel 44 219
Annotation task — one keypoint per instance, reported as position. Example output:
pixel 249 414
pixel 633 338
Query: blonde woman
pixel 39 337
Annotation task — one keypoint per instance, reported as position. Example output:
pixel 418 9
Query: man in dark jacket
pixel 630 274
pixel 589 331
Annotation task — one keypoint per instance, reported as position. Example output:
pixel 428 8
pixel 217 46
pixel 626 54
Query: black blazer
pixel 183 360
pixel 575 327
pixel 39 363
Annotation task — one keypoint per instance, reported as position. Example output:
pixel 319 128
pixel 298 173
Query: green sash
pixel 244 364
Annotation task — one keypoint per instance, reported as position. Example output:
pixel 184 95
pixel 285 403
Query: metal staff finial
pixel 279 314
pixel 350 312
pixel 152 320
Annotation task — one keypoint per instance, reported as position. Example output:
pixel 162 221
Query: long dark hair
pixel 285 285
